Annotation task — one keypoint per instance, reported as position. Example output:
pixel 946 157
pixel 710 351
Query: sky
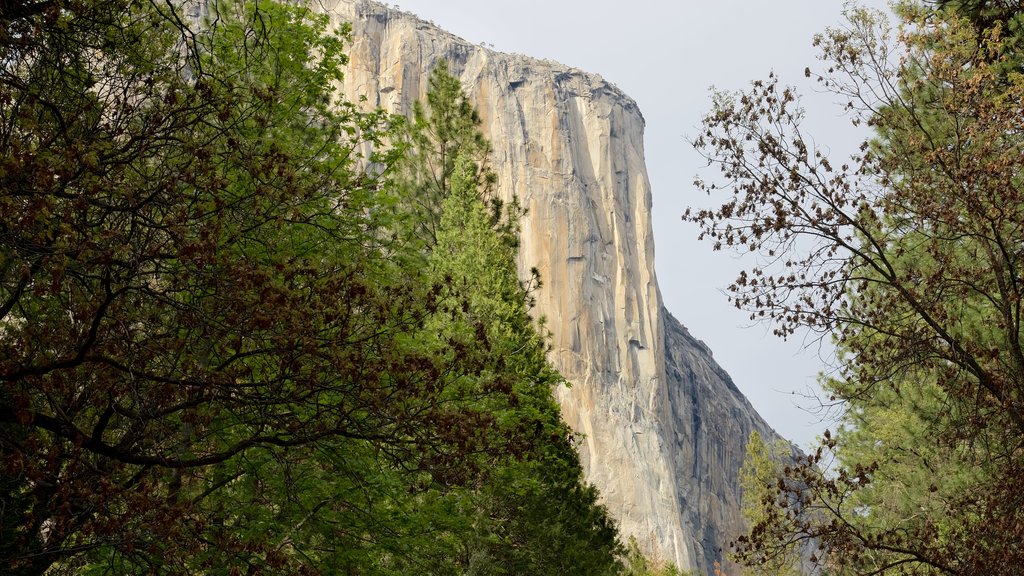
pixel 667 54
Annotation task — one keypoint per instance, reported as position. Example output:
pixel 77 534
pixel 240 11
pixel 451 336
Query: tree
pixel 443 129
pixel 908 255
pixel 984 15
pixel 762 466
pixel 531 512
pixel 197 281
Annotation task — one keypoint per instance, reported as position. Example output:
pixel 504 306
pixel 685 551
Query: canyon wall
pixel 663 425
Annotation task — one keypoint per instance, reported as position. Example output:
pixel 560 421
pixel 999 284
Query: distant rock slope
pixel 664 426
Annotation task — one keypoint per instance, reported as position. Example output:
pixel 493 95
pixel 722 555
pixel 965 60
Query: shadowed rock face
pixel 664 426
pixel 712 421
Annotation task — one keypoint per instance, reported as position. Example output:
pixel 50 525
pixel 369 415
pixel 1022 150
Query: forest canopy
pixel 245 325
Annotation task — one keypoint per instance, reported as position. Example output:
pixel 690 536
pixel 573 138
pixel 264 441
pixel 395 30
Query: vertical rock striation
pixel 664 426
pixel 711 420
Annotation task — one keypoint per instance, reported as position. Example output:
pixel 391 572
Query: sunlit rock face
pixel 663 425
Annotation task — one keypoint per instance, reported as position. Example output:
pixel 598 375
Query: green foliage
pixel 531 512
pixel 193 274
pixel 992 17
pixel 442 131
pixel 226 346
pixel 762 466
pixel 909 260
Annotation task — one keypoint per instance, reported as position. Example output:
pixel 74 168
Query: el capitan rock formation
pixel 664 425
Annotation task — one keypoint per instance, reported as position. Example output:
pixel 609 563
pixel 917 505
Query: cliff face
pixel 712 421
pixel 664 426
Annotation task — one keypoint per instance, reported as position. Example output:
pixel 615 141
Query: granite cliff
pixel 664 427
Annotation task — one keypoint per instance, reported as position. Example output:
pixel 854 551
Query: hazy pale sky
pixel 666 54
